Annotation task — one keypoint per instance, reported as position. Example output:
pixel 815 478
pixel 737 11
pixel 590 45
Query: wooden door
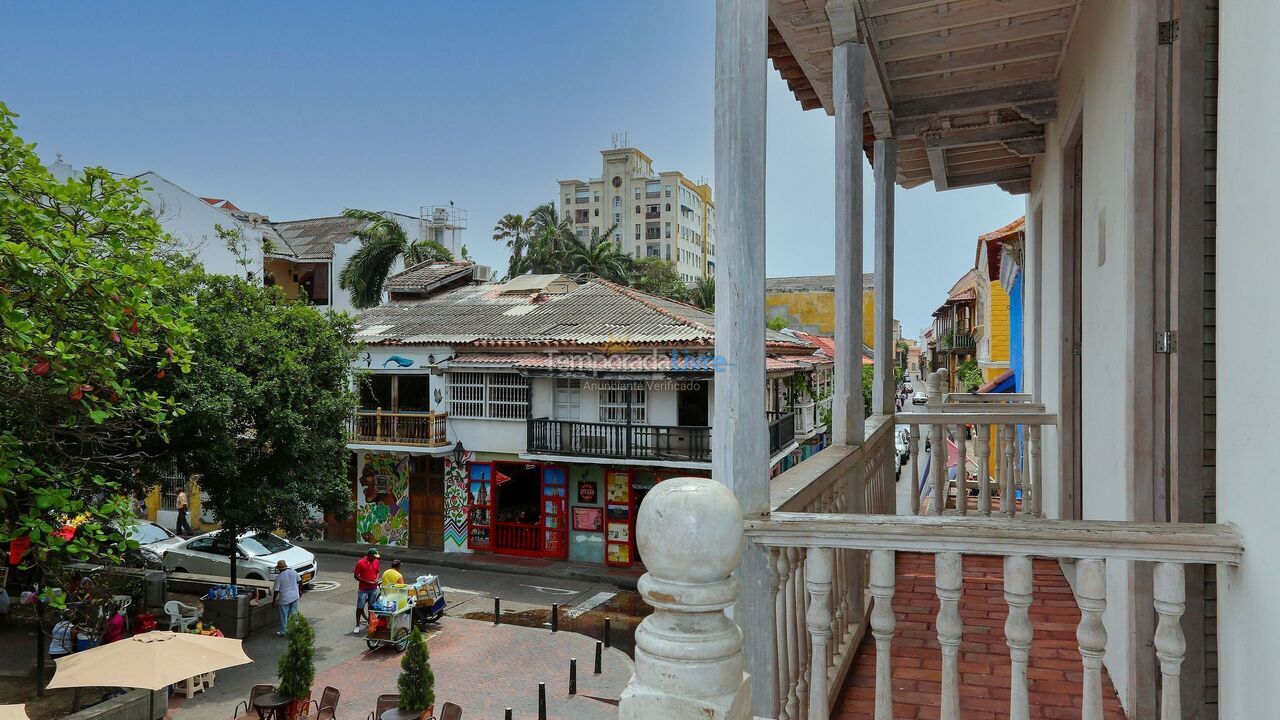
pixel 426 504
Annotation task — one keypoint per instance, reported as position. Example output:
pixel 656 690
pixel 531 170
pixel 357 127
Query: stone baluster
pixel 962 477
pixel 950 586
pixel 777 590
pixel 914 449
pixel 688 653
pixel 1010 472
pixel 1033 470
pixel 983 435
pixel 938 467
pixel 805 665
pixel 1017 631
pixel 1091 634
pixel 793 611
pixel 883 580
pixel 817 572
pixel 1171 645
pixel 936 386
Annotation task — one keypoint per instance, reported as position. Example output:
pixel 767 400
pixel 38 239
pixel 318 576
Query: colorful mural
pixel 382 499
pixel 455 504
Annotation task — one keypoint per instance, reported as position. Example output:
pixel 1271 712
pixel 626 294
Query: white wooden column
pixel 740 444
pixel 847 414
pixel 886 170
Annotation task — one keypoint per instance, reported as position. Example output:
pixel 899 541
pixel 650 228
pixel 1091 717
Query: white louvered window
pixel 466 394
pixel 508 396
pixel 614 404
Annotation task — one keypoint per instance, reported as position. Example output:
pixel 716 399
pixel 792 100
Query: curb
pixel 462 563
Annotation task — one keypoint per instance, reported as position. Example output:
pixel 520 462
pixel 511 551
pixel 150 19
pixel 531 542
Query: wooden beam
pixel 982 134
pixel 1022 71
pixel 990 177
pixel 938 168
pixel 1041 111
pixel 976 58
pixel 974 37
pixel 977 100
pixel 1026 147
pixel 928 21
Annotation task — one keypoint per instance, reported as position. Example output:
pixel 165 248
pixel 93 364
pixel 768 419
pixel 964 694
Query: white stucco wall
pixel 1248 257
pixel 1098 77
pixel 190 221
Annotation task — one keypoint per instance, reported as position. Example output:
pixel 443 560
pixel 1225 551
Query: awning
pixel 1004 383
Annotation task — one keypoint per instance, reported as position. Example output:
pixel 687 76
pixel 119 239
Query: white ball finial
pixel 690 530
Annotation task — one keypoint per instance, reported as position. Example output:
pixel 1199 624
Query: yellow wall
pixel 815 312
pixel 998 326
pixel 193 507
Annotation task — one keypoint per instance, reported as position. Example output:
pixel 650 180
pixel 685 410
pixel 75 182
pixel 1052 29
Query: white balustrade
pixel 1169 580
pixel 883 582
pixel 949 579
pixel 817 568
pixel 1091 596
pixel 1018 631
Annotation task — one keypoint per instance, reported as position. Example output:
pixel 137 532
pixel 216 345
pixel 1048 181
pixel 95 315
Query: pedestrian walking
pixel 366 574
pixel 285 593
pixel 183 527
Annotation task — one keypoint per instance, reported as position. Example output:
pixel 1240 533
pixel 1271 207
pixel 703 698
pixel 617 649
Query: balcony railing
pixel 782 431
pixel 422 429
pixel 652 215
pixel 653 194
pixel 581 200
pixel 613 440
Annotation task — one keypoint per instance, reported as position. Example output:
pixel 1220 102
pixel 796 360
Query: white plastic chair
pixel 181 616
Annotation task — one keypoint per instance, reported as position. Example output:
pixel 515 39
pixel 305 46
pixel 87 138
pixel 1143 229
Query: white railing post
pixel 1169 580
pixel 950 586
pixel 804 664
pixel 883 623
pixel 817 571
pixel 914 450
pixel 938 467
pixel 777 590
pixel 1017 631
pixel 1010 472
pixel 1033 470
pixel 1091 596
pixel 688 654
pixel 793 611
pixel 962 475
pixel 984 468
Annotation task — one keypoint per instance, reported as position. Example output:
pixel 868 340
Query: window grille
pixel 613 404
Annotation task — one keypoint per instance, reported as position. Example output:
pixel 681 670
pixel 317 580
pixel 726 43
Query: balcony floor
pixel 1054 673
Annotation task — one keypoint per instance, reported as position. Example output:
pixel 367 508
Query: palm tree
pixel 515 229
pixel 422 251
pixel 600 256
pixel 703 293
pixel 382 242
pixel 549 242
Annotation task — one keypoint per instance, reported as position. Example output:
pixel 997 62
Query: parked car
pixel 153 539
pixel 919 399
pixel 258 552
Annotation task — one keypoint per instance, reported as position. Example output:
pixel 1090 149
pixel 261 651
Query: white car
pixel 209 554
pixel 153 539
pixel 919 399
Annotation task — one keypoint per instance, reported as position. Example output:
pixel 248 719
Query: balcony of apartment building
pixel 980 584
pixel 639 441
pixel 581 217
pixel 653 233
pixel 395 410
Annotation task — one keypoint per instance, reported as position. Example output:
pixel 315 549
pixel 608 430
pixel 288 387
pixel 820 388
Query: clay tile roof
pixel 636 362
pixel 1006 233
pixel 963 296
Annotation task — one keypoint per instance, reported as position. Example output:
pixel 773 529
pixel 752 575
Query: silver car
pixel 257 553
pixel 153 539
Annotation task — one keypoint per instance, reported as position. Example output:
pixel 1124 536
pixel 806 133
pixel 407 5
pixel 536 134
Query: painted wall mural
pixel 382 499
pixel 455 504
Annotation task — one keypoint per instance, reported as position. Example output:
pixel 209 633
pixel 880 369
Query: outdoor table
pixel 271 705
pixel 396 713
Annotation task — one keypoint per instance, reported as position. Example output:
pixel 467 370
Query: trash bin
pixel 230 615
pixel 153 588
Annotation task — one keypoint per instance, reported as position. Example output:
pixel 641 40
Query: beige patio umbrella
pixel 150 661
pixel 13 712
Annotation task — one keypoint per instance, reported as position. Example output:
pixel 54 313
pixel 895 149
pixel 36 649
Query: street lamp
pixel 459 454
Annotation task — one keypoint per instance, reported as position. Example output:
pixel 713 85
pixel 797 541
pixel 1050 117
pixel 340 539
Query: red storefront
pixel 518 508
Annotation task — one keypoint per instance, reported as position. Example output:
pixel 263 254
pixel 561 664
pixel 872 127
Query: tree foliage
pixel 659 277
pixel 703 293
pixel 267 412
pixel 969 375
pixel 296 668
pixel 382 242
pixel 417 682
pixel 422 251
pixel 92 329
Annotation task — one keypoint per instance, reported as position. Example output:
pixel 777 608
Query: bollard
pixel 606 633
pixel 542 701
pixel 497 609
pixel 599 652
pixel 555 617
pixel 508 716
pixel 573 676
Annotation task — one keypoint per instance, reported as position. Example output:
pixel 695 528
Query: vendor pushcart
pixel 400 607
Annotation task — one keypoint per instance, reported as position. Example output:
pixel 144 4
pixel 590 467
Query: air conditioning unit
pixel 482 273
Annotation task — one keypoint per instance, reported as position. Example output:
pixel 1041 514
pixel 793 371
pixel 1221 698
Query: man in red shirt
pixel 366 574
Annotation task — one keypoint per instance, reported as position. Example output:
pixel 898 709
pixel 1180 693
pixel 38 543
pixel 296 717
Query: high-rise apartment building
pixel 653 214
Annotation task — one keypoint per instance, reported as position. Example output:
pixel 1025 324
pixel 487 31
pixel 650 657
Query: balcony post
pixel 689 660
pixel 886 171
pixel 740 444
pixel 848 93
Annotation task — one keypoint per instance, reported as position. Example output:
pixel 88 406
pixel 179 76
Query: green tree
pixel 599 256
pixel 91 325
pixel 515 230
pixel 658 277
pixel 296 668
pixel 778 322
pixel 868 383
pixel 266 426
pixel 703 293
pixel 969 375
pixel 382 242
pixel 550 242
pixel 417 682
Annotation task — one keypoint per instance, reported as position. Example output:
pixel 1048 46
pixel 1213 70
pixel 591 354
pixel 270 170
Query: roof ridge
pixel 634 294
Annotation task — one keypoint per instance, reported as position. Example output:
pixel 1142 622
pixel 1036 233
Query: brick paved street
pixel 485 669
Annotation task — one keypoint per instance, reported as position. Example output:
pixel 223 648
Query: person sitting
pixel 62 640
pixel 113 628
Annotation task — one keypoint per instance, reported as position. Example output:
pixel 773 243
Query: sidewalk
pixel 623 578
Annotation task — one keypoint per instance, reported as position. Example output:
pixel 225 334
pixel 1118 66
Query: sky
pixel 301 109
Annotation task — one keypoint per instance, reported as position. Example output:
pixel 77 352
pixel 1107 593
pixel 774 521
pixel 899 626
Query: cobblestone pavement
pixel 486 669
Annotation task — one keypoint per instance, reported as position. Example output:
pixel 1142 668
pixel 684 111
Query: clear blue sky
pixel 300 109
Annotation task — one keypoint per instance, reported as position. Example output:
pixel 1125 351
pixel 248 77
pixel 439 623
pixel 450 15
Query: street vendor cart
pixel 400 607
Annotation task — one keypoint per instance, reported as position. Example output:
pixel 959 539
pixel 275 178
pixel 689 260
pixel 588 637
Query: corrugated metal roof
pixel 595 312
pixel 427 275
pixel 810 283
pixel 615 362
pixel 314 239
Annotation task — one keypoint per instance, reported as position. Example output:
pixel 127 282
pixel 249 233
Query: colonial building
pixel 532 417
pixel 654 214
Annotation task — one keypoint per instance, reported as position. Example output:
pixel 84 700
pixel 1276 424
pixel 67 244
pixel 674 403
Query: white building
pixel 1129 490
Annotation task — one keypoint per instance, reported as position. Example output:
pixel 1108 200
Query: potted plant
pixel 417 682
pixel 297 666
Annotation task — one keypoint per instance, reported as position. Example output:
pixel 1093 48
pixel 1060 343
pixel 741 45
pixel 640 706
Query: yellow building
pixel 992 330
pixel 809 303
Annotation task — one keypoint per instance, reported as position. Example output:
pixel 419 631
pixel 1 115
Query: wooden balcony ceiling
pixel 965 85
